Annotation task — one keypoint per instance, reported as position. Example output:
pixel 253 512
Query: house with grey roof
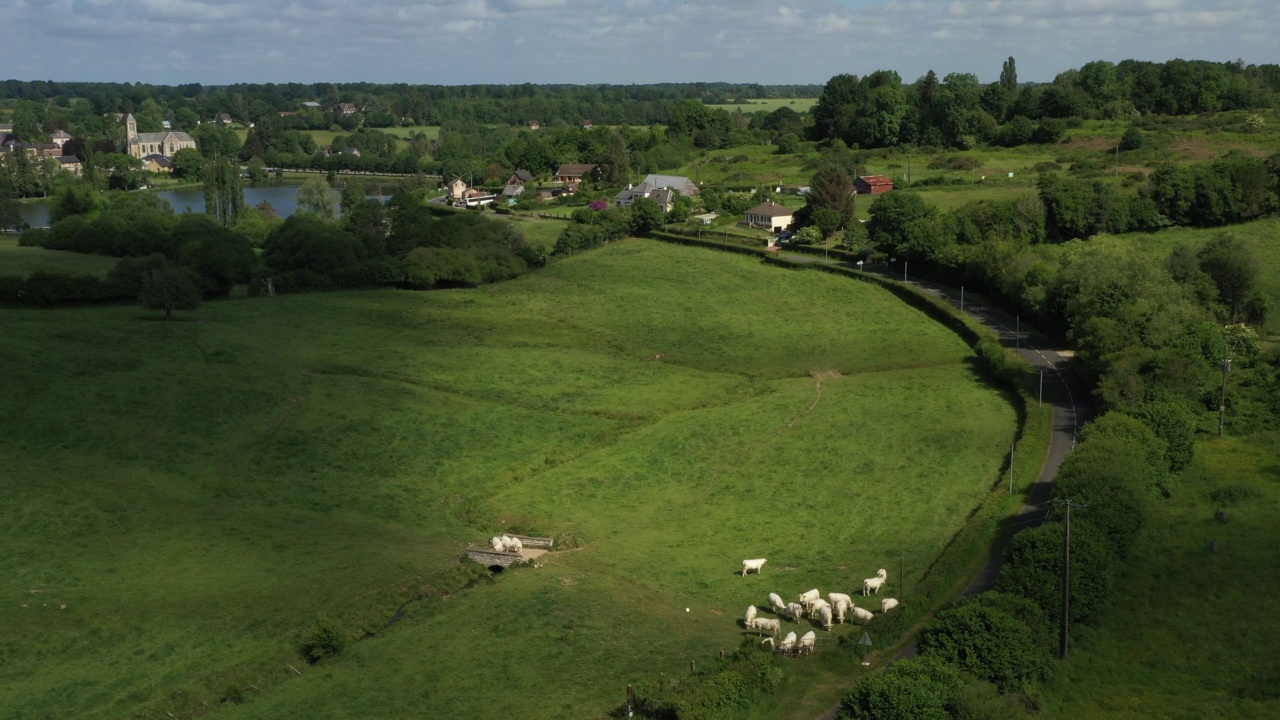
pixel 661 189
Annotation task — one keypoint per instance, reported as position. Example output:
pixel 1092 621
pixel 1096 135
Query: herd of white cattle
pixel 506 543
pixel 810 604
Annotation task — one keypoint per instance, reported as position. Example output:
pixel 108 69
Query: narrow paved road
pixel 1063 388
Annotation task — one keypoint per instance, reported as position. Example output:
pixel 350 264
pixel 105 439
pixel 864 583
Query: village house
pixel 574 174
pixel 661 189
pixel 346 109
pixel 167 144
pixel 520 177
pixel 872 184
pixel 770 216
pixel 157 163
pixel 535 125
pixel 221 119
pixel 71 164
pixel 59 138
pixel 457 189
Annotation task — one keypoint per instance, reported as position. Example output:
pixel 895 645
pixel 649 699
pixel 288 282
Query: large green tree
pixel 832 189
pixel 314 197
pixel 1233 267
pixel 169 288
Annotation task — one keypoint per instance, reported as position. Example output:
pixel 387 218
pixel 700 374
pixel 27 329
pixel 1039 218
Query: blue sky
pixel 613 41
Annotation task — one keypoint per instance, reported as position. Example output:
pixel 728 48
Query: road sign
pixel 866 640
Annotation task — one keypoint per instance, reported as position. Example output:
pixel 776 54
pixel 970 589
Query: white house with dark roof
pixel 770 216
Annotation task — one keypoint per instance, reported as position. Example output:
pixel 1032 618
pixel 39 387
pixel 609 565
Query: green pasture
pixel 537 231
pixel 1196 632
pixel 800 105
pixel 185 499
pixel 18 260
pixel 431 131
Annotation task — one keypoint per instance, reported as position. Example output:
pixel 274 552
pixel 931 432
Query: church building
pixel 165 143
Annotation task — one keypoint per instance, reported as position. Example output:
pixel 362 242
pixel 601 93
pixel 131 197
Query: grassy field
pixel 1196 633
pixel 769 105
pixel 537 231
pixel 16 260
pixel 182 508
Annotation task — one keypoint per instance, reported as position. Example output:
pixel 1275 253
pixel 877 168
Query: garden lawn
pixel 18 260
pixel 185 499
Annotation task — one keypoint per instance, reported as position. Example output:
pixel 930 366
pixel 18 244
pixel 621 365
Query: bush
pixel 716 691
pixel 915 689
pixel 1033 569
pixel 983 639
pixel 323 640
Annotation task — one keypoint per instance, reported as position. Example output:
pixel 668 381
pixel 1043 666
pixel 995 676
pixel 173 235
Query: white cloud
pixel 621 41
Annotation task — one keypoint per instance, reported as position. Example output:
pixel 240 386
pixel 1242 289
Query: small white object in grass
pixel 686 609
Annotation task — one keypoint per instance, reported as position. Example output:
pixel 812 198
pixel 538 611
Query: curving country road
pixel 1063 389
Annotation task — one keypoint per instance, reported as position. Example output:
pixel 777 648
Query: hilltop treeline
pixel 59 105
pixel 879 110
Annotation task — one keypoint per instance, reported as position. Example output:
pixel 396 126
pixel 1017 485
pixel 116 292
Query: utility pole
pixel 1066 583
pixel 1041 389
pixel 1065 645
pixel 902 575
pixel 961 298
pixel 1012 446
pixel 1222 399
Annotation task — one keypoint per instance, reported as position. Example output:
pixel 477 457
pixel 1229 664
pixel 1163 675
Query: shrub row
pixel 44 289
pixel 715 691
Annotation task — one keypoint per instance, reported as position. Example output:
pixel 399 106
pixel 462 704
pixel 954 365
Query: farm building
pixel 873 184
pixel 770 216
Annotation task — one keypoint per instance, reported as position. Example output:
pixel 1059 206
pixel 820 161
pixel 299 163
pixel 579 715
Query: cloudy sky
pixel 613 41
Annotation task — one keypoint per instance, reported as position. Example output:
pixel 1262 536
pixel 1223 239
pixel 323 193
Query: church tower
pixel 130 129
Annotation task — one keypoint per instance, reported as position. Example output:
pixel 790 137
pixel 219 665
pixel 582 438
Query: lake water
pixel 284 198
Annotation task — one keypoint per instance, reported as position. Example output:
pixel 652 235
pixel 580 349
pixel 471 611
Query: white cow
pixel 498 544
pixel 824 617
pixel 807 641
pixel 750 565
pixel 841 608
pixel 796 611
pixel 872 585
pixel 788 643
pixel 882 574
pixel 833 597
pixel 809 596
pixel 888 604
pixel 762 624
pixel 775 602
pixel 862 615
pixel 751 615
pixel 513 543
pixel 817 605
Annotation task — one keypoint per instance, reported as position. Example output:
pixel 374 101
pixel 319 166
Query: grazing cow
pixel 751 615
pixel 888 604
pixel 753 565
pixel 862 615
pixel 824 617
pixel 807 642
pixel 872 585
pixel 788 643
pixel 775 602
pixel 766 624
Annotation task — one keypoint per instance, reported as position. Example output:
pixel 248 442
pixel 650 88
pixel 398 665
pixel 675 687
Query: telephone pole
pixel 1222 400
pixel 1065 645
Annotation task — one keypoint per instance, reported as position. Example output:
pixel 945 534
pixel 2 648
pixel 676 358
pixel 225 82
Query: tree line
pixel 879 110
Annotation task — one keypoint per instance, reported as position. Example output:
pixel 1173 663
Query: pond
pixel 284 198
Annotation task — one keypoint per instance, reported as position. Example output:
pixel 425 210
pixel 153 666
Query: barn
pixel 873 184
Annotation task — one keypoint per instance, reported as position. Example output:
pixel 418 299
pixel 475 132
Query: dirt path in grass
pixel 758 446
pixel 1064 389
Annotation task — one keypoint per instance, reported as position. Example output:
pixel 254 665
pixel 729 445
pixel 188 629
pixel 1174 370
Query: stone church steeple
pixel 130 129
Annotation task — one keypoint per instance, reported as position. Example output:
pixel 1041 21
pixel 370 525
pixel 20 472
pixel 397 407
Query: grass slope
pixel 183 506
pixel 18 260
pixel 1196 634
